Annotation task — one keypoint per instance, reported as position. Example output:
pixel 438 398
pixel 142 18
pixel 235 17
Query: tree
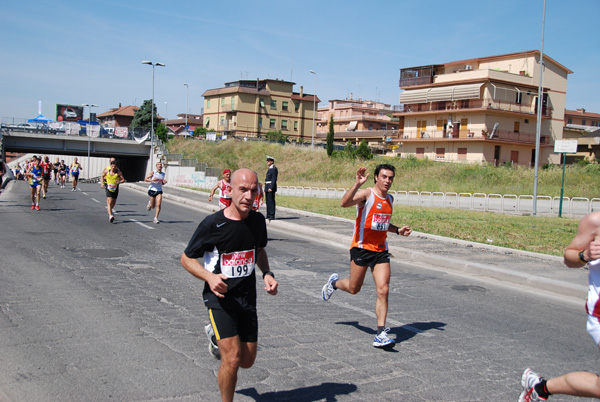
pixel 276 136
pixel 161 133
pixel 330 136
pixel 363 151
pixel 143 116
pixel 349 150
pixel 200 132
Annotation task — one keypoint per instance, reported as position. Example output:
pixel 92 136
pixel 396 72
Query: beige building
pixel 356 119
pixel 482 110
pixel 249 108
pixel 584 127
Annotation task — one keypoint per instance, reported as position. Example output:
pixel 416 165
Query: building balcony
pixel 491 135
pixel 228 126
pixel 470 104
pixel 228 109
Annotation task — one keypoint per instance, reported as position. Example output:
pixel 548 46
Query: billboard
pixel 68 112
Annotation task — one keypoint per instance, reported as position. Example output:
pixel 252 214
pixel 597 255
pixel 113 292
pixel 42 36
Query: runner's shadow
pixel 287 218
pixel 403 333
pixel 327 391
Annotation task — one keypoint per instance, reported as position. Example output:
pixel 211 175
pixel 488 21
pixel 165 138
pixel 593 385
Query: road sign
pixel 565 146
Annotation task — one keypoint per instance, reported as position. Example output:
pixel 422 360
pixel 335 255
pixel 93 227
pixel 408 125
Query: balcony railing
pixel 499 135
pixel 489 104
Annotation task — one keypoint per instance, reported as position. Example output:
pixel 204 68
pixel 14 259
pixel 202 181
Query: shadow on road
pixel 326 391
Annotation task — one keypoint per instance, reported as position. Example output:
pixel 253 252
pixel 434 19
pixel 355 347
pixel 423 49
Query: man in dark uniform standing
pixel 271 187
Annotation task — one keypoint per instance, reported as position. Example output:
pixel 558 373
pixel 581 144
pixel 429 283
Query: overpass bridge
pixel 133 157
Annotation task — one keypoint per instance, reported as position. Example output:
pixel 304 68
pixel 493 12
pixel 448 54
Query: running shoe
pixel 33 207
pixel 148 207
pixel 212 346
pixel 44 196
pixel 155 220
pixel 111 218
pixel 382 340
pixel 328 288
pixel 528 381
pixel 37 207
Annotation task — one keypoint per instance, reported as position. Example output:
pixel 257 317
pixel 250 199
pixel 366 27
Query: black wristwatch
pixel 582 257
pixel 268 273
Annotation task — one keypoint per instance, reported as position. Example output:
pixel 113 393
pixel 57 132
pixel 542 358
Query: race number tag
pixel 238 264
pixel 111 187
pixel 381 222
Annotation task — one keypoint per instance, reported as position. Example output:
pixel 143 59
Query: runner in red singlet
pixel 224 187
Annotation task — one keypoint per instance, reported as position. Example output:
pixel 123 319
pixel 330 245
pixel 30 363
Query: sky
pixel 76 52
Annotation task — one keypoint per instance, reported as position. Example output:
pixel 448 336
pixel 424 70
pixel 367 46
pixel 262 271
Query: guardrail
pixel 501 203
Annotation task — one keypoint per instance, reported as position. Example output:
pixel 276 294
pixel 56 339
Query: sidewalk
pixel 535 271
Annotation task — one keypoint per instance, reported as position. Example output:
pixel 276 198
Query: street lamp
pixel 187 98
pixel 312 143
pixel 166 116
pixel 152 113
pixel 89 134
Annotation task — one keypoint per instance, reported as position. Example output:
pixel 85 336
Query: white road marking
pixel 141 224
pixel 95 200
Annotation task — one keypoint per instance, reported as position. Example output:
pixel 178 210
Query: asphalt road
pixel 93 311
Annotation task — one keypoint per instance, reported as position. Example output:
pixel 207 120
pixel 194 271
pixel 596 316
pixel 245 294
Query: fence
pixel 502 203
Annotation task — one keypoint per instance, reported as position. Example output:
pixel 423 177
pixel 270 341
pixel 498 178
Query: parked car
pixel 23 127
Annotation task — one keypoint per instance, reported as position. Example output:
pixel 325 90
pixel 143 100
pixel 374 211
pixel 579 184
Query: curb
pixel 445 264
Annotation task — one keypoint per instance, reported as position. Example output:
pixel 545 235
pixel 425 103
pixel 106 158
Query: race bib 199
pixel 381 222
pixel 238 264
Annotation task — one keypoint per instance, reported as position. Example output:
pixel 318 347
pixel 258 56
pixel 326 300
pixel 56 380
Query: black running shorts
pixel 228 323
pixel 368 258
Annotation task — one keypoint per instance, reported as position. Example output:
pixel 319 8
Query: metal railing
pixel 501 203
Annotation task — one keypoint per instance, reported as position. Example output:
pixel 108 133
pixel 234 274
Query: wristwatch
pixel 582 257
pixel 268 273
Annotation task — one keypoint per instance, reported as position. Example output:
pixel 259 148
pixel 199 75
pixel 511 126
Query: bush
pixel 277 136
pixel 363 151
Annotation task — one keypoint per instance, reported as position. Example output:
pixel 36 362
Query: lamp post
pixel 152 112
pixel 166 116
pixel 312 143
pixel 88 134
pixel 187 98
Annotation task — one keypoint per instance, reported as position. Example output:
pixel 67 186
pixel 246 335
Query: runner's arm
pixel 587 240
pixel 263 264
pixel 215 281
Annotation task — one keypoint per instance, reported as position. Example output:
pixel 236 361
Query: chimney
pixel 301 90
pixel 581 110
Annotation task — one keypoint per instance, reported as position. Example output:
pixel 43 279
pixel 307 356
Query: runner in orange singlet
pixel 369 247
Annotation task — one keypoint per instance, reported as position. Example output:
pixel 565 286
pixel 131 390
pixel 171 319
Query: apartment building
pixel 483 109
pixel 252 108
pixel 121 116
pixel 584 127
pixel 357 119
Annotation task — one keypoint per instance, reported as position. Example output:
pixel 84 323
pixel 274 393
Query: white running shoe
pixel 111 218
pixel 328 288
pixel 212 346
pixel 148 207
pixel 382 340
pixel 156 220
pixel 528 381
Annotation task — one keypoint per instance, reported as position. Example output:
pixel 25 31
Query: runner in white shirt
pixel 156 179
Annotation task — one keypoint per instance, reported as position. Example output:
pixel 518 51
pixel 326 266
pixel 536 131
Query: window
pixel 273 104
pixel 297 105
pixel 284 106
pixel 207 124
pixel 232 102
pixel 260 122
pixel 262 103
pixel 517 126
pixel 284 125
pixel 295 126
pixel 514 157
pixel 222 102
pixel 570 121
pixel 420 152
pixel 519 98
pixel 462 153
pixel 208 103
pixel 440 153
pixel 271 123
pixel 222 120
pixel 583 122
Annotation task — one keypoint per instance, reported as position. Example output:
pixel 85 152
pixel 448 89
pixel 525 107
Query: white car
pixel 70 113
pixel 22 126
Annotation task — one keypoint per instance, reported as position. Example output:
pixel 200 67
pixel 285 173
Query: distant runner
pixel 110 182
pixel 155 192
pixel 224 186
pixel 75 169
pixel 34 173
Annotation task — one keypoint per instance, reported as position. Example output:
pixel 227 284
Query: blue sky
pixel 90 51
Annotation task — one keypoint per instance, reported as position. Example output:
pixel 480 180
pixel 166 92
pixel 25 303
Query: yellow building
pixel 482 110
pixel 251 108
